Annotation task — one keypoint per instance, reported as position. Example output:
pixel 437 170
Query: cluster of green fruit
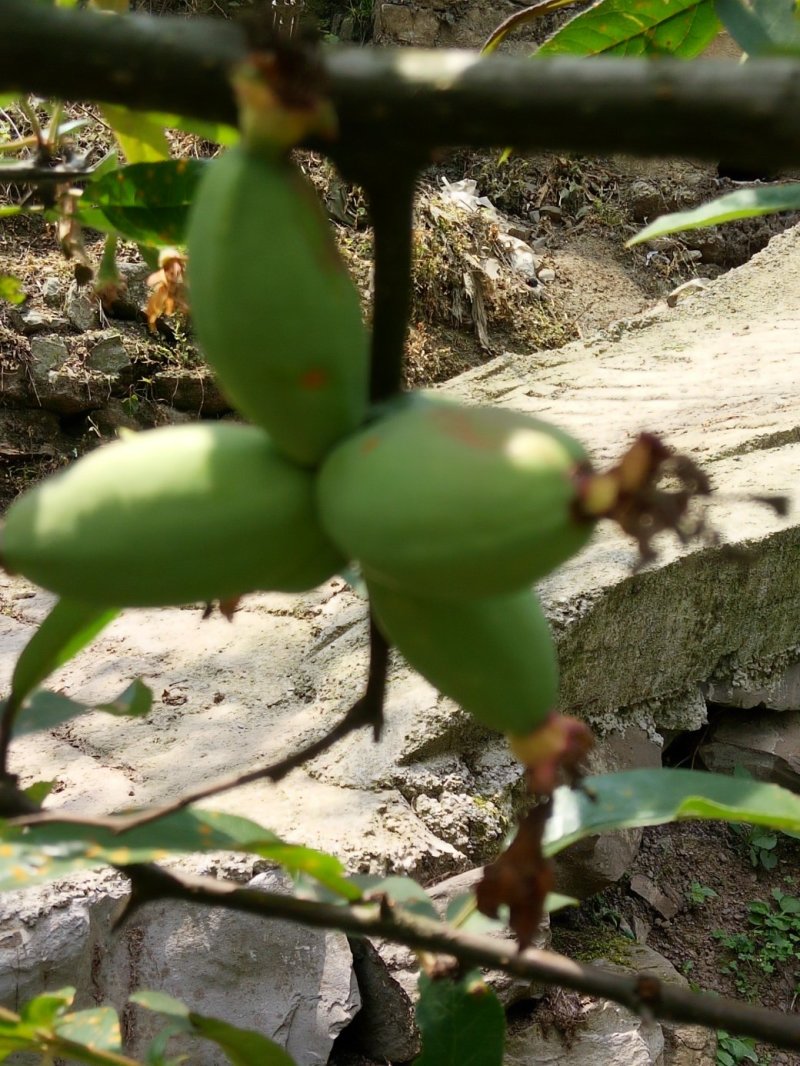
pixel 451 512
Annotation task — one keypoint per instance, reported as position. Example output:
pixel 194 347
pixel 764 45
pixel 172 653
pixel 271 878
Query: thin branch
pixel 643 994
pixel 10 712
pixel 38 174
pixel 392 101
pixel 368 711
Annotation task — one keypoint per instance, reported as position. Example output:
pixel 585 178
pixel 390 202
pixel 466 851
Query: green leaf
pixel 134 702
pixel 139 135
pixel 145 202
pixel 216 132
pixel 462 1023
pixel 161 1003
pixel 8 99
pixel 45 710
pixel 653 797
pixel 33 855
pixel 744 203
pixel 403 890
pixel 762 28
pixel 555 901
pixel 39 791
pixel 43 1010
pixel 243 1047
pixel 11 289
pixel 65 631
pixel 682 28
pixel 97 1028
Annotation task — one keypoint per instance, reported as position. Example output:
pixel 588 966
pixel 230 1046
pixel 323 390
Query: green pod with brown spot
pixel 495 657
pixel 439 499
pixel 170 516
pixel 275 311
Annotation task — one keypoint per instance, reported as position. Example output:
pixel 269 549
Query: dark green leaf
pixel 762 29
pixel 243 1047
pixel 462 1023
pixel 145 202
pixel 744 203
pixel 67 629
pixel 649 27
pixel 11 289
pixel 653 797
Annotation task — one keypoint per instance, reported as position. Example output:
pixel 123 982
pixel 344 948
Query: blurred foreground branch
pixel 643 994
pixel 393 100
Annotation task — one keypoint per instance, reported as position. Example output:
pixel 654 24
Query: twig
pixel 33 174
pixel 368 711
pixel 643 994
pixel 392 101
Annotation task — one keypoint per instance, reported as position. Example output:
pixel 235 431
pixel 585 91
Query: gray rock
pixel 648 891
pixel 31 321
pixel 53 291
pixel 384 1028
pixel 645 201
pixel 82 308
pixel 32 434
pixel 191 389
pixel 766 745
pixel 47 354
pixel 601 1033
pixel 598 861
pixel 605 1034
pixel 107 353
pixel 296 986
pixel 778 690
pixel 406 25
pixel 136 293
pixel 73 392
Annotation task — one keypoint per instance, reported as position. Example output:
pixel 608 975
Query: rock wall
pixel 718 377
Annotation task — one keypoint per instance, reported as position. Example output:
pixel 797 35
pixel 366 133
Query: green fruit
pixel 495 657
pixel 275 311
pixel 172 516
pixel 443 500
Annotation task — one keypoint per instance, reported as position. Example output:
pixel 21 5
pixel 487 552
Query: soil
pixel 579 213
pixel 684 861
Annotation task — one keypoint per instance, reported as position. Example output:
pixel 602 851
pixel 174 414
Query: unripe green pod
pixel 171 516
pixel 443 500
pixel 274 308
pixel 495 657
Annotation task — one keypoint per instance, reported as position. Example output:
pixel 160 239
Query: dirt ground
pixel 578 212
pixel 705 869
